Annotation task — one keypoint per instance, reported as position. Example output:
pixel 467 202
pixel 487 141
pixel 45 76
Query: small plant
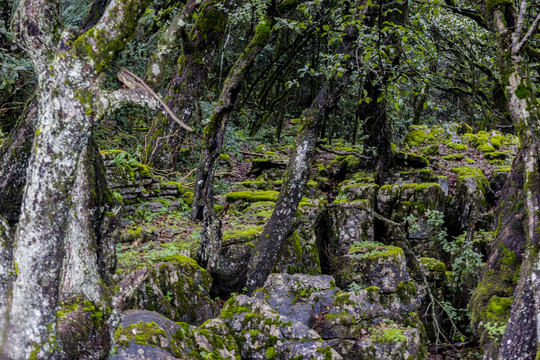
pixel 354 287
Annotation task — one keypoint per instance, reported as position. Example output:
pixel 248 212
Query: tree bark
pixel 517 235
pixel 280 225
pixel 69 102
pixel 183 92
pixel 203 207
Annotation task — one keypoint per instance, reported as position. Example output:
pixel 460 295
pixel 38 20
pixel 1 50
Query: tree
pixel 70 100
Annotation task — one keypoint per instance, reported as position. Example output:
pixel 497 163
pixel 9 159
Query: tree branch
pixel 516 48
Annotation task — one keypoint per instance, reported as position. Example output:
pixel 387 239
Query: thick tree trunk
pixel 516 249
pixel 69 101
pixel 203 207
pixel 183 93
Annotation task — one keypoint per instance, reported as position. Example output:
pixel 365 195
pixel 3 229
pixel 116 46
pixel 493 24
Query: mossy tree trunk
pixel 70 100
pixel 280 225
pixel 183 92
pixel 516 249
pixel 203 206
pixel 373 112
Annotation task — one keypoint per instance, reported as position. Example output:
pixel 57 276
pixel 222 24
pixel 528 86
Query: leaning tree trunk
pixel 185 89
pixel 516 249
pixel 203 207
pixel 69 101
pixel 280 225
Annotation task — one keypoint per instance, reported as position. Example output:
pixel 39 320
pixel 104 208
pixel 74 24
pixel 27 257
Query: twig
pixel 152 92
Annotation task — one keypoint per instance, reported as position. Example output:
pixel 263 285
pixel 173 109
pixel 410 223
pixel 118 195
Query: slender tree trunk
pixel 203 207
pixel 183 93
pixel 280 225
pixel 517 245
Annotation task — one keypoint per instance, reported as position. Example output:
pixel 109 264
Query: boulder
pixel 177 288
pixel 373 264
pixel 349 223
pixel 299 297
pixel 262 333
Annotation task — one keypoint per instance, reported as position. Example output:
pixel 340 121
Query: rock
pixel 361 192
pixel 371 264
pixel 299 297
pixel 264 334
pixel 177 288
pixel 410 160
pixel 469 201
pixel 383 343
pixel 349 223
pixel 146 335
pixel 268 165
pixel 353 312
pixel 499 178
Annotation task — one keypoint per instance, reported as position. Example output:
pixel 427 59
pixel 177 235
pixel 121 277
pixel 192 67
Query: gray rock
pixel 349 224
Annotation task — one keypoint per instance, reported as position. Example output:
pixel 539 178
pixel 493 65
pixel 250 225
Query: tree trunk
pixel 280 225
pixel 183 93
pixel 14 155
pixel 517 245
pixel 69 102
pixel 203 207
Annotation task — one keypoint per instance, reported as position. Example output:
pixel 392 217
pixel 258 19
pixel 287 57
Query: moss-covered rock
pixel 372 264
pixel 178 288
pixel 410 160
pixel 349 223
pixel 259 331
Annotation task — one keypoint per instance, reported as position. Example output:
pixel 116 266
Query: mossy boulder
pixel 410 160
pixel 349 223
pixel 384 342
pixel 177 288
pixel 498 178
pixel 263 333
pixel 299 297
pixel 495 155
pixel 251 196
pixel 372 264
pixel 146 335
pixel 268 168
pixel 358 191
pixel 469 203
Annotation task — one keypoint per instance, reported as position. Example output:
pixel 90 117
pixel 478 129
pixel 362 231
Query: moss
pixel 416 137
pixel 486 148
pixel 454 157
pixel 455 146
pixel 495 156
pixel 271 352
pixel 140 333
pixel 262 33
pixel 252 196
pixel 242 235
pixel 500 306
pixel 522 91
pixel 433 265
pixel 389 335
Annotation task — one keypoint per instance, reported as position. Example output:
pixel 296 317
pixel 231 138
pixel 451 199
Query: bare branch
pixel 136 83
pixel 532 29
pixel 521 17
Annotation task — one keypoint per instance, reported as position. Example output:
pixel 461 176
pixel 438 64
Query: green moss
pixel 486 148
pixel 495 156
pixel 271 352
pixel 455 146
pixel 500 306
pixel 252 196
pixel 416 137
pixel 454 157
pixel 522 91
pixel 389 335
pixel 242 235
pixel 141 333
pixel 433 265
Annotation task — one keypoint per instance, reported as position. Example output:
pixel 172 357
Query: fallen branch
pixel 134 82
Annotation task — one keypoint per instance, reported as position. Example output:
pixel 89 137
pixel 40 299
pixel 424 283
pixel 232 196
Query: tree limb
pixel 532 29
